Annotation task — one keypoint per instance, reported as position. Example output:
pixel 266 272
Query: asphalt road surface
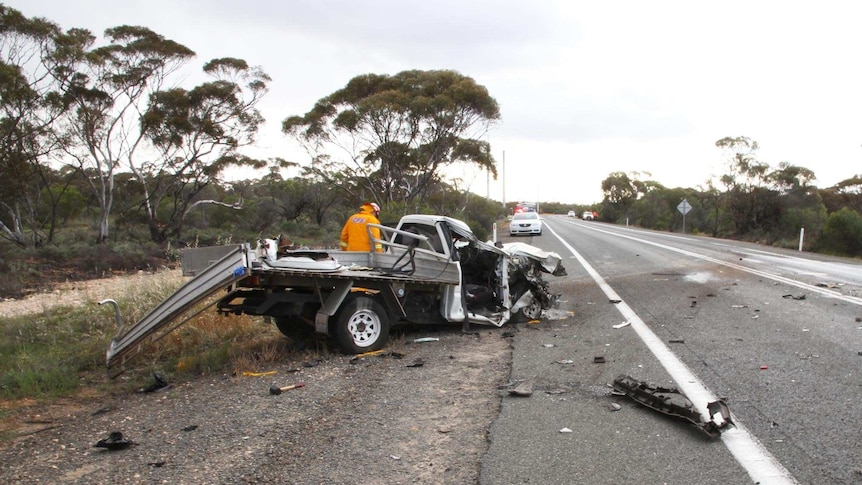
pixel 774 333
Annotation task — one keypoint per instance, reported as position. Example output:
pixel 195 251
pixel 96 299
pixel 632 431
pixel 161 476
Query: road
pixel 774 333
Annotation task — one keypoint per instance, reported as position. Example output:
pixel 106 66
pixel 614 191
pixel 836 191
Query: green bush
pixel 842 233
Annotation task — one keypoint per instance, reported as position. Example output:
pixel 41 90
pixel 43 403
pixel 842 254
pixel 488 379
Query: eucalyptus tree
pixel 751 201
pixel 388 138
pixel 109 89
pixel 198 133
pixel 30 104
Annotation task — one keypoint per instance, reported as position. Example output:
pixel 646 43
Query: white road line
pixel 781 279
pixel 760 465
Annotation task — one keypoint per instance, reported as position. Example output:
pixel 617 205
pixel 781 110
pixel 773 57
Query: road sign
pixel 684 207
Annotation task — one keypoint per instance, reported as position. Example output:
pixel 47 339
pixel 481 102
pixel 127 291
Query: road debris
pixel 565 361
pixel 259 374
pixel 615 406
pixel 114 441
pixel 416 363
pixel 524 389
pixel 624 324
pixel 159 383
pixel 671 401
pixel 273 389
pixel 794 297
pixel 614 301
pixel 565 430
pixel 425 339
pixel 676 341
pixel 599 359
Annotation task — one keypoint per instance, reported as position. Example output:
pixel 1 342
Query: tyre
pixel 530 311
pixel 361 325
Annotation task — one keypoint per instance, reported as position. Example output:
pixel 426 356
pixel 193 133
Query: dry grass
pixel 53 343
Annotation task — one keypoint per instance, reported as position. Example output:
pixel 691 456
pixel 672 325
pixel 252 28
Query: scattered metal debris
pixel 114 441
pixel 671 401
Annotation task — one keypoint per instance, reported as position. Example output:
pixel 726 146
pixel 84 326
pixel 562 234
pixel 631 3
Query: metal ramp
pixel 231 268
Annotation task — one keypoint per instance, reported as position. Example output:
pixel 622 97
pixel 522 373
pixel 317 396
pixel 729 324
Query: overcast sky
pixel 585 88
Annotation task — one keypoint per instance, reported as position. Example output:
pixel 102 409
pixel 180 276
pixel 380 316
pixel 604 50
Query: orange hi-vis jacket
pixel 354 235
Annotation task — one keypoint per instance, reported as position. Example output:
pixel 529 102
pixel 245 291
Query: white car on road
pixel 525 223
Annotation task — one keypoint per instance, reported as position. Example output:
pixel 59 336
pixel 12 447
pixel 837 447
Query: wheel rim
pixel 533 309
pixel 364 328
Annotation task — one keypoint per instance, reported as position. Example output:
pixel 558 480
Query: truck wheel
pixel 530 311
pixel 361 325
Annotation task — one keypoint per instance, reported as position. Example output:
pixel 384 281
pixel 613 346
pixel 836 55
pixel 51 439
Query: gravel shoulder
pixel 416 413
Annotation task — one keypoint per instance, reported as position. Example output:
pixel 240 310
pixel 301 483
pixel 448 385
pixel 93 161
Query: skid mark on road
pixel 760 465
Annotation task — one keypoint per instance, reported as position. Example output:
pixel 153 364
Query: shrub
pixel 842 233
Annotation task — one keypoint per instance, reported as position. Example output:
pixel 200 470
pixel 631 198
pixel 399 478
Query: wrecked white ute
pixel 432 270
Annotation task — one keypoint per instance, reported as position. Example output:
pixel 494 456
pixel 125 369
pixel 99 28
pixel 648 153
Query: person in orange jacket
pixel 354 235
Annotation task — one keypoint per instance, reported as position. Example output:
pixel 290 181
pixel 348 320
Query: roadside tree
pixel 388 138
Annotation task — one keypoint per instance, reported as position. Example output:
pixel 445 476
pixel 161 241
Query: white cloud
pixel 585 88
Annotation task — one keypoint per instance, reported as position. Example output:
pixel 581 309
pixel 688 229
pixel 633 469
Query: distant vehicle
pixel 525 207
pixel 588 216
pixel 572 214
pixel 525 223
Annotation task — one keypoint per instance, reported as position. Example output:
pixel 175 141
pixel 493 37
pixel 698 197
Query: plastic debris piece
pixel 565 430
pixel 764 367
pixel 676 341
pixel 565 361
pixel 259 374
pixel 615 406
pixel 426 339
pixel 534 322
pixel 672 402
pixel 114 441
pixel 547 346
pixel 624 324
pixel 738 306
pixel 416 363
pixel 614 301
pixel 599 359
